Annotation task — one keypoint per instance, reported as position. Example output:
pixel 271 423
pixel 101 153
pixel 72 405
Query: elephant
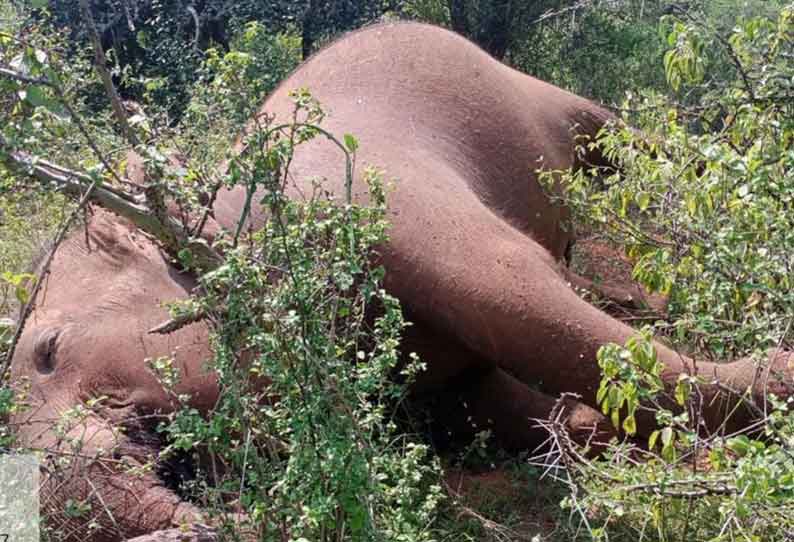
pixel 475 256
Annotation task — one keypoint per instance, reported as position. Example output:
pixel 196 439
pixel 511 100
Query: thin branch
pixel 22 78
pixel 550 14
pixel 726 45
pixel 104 74
pixel 174 324
pixel 328 135
pixel 130 23
pixel 11 74
pixel 138 200
pixel 196 21
pixel 705 488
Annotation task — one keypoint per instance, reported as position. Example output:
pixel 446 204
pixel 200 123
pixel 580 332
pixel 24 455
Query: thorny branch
pixel 567 462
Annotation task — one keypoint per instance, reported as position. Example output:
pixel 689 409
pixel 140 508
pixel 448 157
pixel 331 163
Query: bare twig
pixel 130 22
pixel 174 324
pixel 22 78
pixel 197 22
pixel 552 14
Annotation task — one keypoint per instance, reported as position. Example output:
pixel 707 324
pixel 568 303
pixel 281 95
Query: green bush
pixel 315 453
pixel 230 88
pixel 600 52
pixel 701 201
pixel 703 195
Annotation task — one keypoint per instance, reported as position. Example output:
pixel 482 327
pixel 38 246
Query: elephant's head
pixel 93 402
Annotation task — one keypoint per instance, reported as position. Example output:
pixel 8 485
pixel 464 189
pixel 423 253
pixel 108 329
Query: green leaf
pixel 15 279
pixel 739 445
pixel 22 294
pixel 35 96
pixel 615 418
pixel 602 392
pixel 682 390
pixel 38 4
pixel 668 453
pixel 630 425
pixel 351 142
pixel 652 440
pixel 643 200
pixel 185 257
pixel 667 436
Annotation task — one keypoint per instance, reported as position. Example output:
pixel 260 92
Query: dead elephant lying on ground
pixel 474 258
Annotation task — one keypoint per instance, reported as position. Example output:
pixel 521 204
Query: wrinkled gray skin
pixel 473 257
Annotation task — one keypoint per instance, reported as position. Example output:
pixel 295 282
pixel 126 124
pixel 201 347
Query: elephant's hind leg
pixel 494 400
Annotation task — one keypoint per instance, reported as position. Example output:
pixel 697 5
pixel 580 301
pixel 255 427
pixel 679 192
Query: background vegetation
pixel 701 205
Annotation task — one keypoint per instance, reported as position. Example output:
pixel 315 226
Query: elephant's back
pixel 416 96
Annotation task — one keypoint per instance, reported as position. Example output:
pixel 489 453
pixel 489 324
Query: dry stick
pixel 82 178
pixel 104 73
pixel 28 308
pixel 153 193
pixel 152 219
pixel 73 183
pixel 550 14
pixel 130 23
pixel 177 323
pixel 196 21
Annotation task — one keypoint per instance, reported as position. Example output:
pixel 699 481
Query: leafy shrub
pixel 702 197
pixel 314 454
pixel 303 437
pixel 231 87
pixel 601 51
pixel 701 201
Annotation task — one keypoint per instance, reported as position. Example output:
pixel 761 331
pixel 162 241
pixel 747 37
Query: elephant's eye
pixel 44 351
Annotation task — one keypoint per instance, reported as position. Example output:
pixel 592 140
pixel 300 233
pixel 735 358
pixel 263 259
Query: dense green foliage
pixel 157 48
pixel 702 199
